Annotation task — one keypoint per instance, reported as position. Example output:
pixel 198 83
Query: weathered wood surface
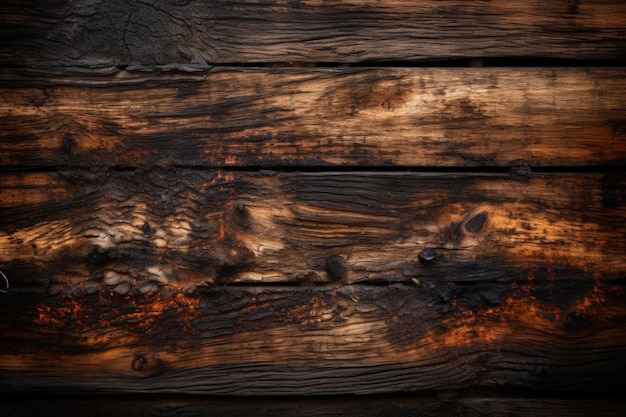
pixel 376 406
pixel 188 35
pixel 354 339
pixel 186 227
pixel 186 279
pixel 424 117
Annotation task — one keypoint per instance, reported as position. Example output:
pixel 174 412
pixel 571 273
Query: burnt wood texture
pixel 188 35
pixel 414 117
pixel 267 207
pixel 552 336
pixel 182 227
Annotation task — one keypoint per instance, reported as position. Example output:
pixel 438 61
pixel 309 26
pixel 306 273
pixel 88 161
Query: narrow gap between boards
pixel 449 62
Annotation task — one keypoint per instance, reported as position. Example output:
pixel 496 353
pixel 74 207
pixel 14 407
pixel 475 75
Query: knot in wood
pixel 336 268
pixel 427 255
pixel 67 143
pixel 139 362
pixel 475 222
pixel 146 229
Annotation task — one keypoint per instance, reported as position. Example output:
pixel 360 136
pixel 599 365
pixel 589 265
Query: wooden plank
pixel 76 33
pixel 185 227
pixel 353 339
pixel 320 117
pixel 371 406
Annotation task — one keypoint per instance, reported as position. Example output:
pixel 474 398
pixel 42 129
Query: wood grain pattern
pixel 184 227
pixel 165 258
pixel 353 339
pixel 424 117
pixel 189 35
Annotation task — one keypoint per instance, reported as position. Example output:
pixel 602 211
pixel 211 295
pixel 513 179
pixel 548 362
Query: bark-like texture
pixel 187 35
pixel 420 117
pixel 185 227
pixel 122 282
pixel 354 339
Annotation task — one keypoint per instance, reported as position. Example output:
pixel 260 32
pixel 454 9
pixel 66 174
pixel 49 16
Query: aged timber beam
pixel 354 339
pixel 419 117
pixel 146 229
pixel 77 35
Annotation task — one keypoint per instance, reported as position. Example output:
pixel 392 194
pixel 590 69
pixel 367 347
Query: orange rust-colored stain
pixel 232 160
pixel 54 316
pixel 258 301
pixel 221 233
pixel 519 314
pixel 317 306
pixel 107 309
pixel 219 180
pixel 519 311
pixel 228 176
pixel 467 329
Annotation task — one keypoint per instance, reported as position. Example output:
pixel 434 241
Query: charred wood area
pixel 313 208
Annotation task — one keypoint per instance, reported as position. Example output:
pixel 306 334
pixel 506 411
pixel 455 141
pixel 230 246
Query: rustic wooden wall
pixel 267 207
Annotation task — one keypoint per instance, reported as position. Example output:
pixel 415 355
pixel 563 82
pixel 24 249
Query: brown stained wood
pixel 353 339
pixel 159 228
pixel 75 33
pixel 346 406
pixel 424 117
